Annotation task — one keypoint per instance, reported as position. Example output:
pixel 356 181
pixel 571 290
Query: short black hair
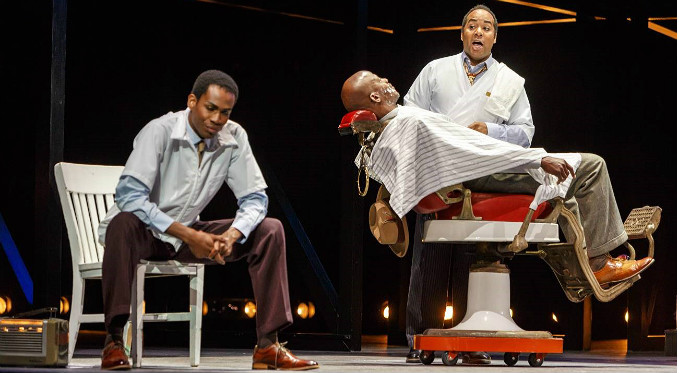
pixel 482 7
pixel 209 77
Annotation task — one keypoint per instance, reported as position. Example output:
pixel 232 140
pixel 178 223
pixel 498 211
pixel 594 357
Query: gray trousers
pixel 590 198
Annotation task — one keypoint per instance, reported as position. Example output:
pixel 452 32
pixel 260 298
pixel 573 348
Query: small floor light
pixel 385 309
pixel 449 313
pixel 250 309
pixel 64 305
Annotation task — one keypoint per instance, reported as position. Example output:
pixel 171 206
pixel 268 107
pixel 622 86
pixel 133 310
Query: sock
pixel 115 329
pixel 267 340
pixel 598 262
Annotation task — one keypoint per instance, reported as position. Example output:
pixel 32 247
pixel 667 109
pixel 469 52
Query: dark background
pixel 607 87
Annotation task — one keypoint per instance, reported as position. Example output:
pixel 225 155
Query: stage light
pixel 205 308
pixel 449 313
pixel 626 316
pixel 5 304
pixel 384 309
pixel 306 310
pixel 511 312
pixel 554 317
pixel 312 310
pixel 303 310
pixel 250 309
pixel 64 305
pixel 540 6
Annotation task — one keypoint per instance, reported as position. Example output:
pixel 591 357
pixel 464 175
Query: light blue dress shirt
pixel 133 195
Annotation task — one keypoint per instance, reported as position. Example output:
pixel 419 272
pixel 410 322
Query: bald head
pixel 365 90
pixel 356 91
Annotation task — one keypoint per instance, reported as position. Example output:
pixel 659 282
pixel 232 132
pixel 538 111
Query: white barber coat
pixel 497 98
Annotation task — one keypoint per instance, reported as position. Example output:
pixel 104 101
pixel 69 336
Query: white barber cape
pixel 420 152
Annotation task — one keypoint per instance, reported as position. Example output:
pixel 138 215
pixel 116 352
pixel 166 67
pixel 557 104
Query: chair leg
pixel 196 309
pixel 138 314
pixel 76 312
pixel 127 336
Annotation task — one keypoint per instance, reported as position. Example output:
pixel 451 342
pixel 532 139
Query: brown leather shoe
pixel 475 358
pixel 114 356
pixel 278 357
pixel 620 269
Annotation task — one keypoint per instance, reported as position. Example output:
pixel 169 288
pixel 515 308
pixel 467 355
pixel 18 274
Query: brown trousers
pixel 128 241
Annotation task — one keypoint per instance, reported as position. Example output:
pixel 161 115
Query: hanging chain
pixel 367 143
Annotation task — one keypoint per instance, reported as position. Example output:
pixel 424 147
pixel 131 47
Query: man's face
pixel 382 86
pixel 478 36
pixel 211 111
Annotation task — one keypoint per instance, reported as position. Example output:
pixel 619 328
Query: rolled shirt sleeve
pixel 133 196
pixel 252 209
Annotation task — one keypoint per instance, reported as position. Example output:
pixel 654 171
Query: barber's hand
pixel 203 244
pixel 479 127
pixel 557 167
pixel 227 239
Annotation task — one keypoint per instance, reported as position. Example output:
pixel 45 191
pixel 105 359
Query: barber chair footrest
pixel 563 261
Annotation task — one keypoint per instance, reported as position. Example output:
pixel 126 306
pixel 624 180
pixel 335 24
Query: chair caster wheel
pixel 536 360
pixel 427 357
pixel 511 358
pixel 447 360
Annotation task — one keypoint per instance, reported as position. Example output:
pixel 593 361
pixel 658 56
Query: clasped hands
pixel 212 246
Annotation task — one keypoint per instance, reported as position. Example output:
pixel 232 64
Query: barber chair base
pixel 488 300
pixel 487 325
pixel 454 342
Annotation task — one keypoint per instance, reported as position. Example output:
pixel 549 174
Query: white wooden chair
pixel 86 193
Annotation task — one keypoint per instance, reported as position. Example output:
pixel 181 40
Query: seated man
pixel 178 163
pixel 419 152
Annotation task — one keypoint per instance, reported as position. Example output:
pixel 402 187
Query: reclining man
pixel 178 164
pixel 400 160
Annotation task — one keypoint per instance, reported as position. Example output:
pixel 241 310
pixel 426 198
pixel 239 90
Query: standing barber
pixel 471 88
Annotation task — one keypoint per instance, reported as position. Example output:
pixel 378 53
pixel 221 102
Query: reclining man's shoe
pixel 413 356
pixel 475 358
pixel 114 357
pixel 277 357
pixel 620 269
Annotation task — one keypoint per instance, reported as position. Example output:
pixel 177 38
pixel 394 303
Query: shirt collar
pixel 390 115
pixel 193 136
pixel 185 132
pixel 473 69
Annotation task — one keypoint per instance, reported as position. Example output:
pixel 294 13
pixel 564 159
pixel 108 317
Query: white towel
pixel 549 188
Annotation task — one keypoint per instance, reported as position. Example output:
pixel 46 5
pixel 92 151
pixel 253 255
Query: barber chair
pixel 502 226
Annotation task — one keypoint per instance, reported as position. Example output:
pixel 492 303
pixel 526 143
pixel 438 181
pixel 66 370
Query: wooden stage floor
pixel 376 358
